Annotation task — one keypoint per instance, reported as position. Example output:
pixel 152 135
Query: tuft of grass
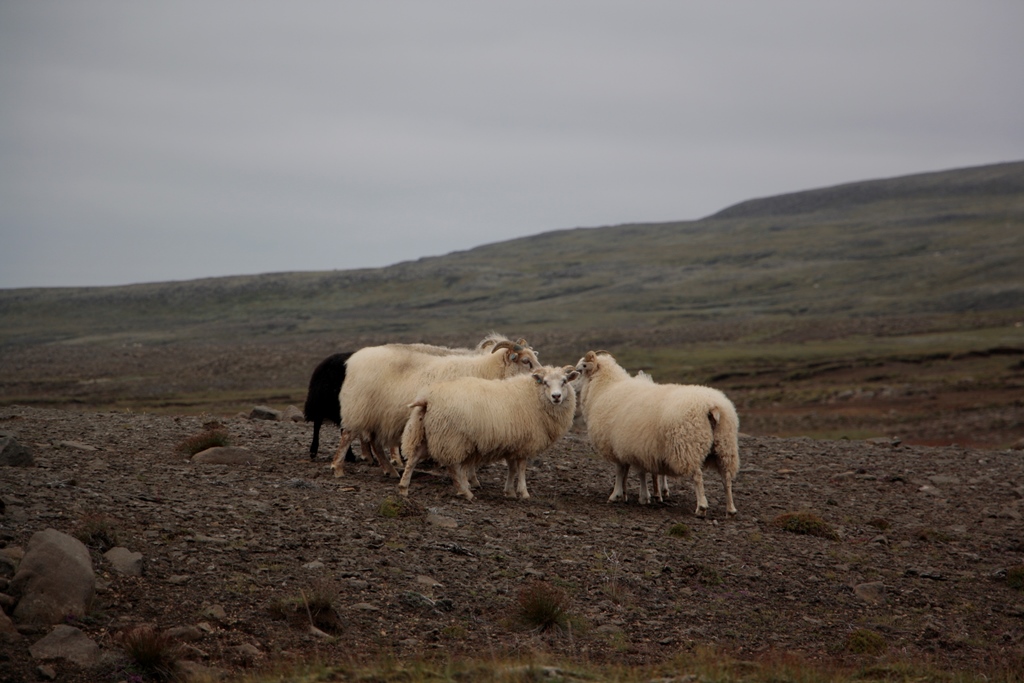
pixel 805 522
pixel 400 507
pixel 865 642
pixel 207 438
pixel 1015 577
pixel 679 530
pixel 707 576
pixel 542 606
pixel 308 608
pixel 98 531
pixel 152 652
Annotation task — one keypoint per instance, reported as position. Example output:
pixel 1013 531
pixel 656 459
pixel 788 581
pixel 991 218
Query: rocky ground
pixel 917 567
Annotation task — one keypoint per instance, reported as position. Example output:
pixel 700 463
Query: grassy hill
pixel 937 243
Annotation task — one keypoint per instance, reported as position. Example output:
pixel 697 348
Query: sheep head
pixel 555 382
pixel 589 364
pixel 518 354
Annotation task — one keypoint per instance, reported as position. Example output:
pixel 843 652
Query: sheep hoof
pixel 701 512
pixel 338 471
pixel 732 513
pixel 403 492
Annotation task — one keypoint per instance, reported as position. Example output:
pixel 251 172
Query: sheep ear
pixel 570 376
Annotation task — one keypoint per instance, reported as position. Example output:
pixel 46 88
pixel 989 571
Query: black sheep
pixel 322 398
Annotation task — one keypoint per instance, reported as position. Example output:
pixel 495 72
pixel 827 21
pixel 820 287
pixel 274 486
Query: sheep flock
pixel 463 409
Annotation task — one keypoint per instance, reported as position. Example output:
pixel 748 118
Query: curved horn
pixel 503 345
pixel 602 352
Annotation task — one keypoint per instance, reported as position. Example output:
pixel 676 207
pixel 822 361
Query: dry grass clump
pixel 542 606
pixel 309 608
pixel 865 642
pixel 679 530
pixel 154 653
pixel 805 522
pixel 98 531
pixel 207 438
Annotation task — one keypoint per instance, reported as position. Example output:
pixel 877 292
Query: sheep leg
pixel 460 474
pixel 339 456
pixel 382 460
pixel 510 478
pixel 515 482
pixel 661 481
pixel 315 446
pixel 729 507
pixel 698 489
pixel 645 493
pixel 619 492
pixel 414 459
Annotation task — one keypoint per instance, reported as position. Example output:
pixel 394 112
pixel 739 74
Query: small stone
pixel 265 413
pixel 67 642
pixel 365 607
pixel 428 581
pixel 13 454
pixel 179 579
pixel 316 565
pixel 442 521
pixel 124 561
pixel 185 634
pixel 47 672
pixel 216 612
pixel 293 414
pixel 873 592
pixel 224 455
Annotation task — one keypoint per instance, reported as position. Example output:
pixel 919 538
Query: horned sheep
pixel 469 422
pixel 381 382
pixel 664 429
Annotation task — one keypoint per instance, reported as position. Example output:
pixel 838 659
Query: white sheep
pixel 469 422
pixel 381 382
pixel 666 429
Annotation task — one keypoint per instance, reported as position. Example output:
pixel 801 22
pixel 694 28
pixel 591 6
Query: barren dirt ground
pixel 935 527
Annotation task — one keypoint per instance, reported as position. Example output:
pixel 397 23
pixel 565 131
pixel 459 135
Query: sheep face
pixel 588 365
pixel 555 382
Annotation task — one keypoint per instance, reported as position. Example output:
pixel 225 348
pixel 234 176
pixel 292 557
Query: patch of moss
pixel 399 507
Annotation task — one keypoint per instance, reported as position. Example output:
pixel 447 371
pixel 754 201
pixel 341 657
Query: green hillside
pixel 933 244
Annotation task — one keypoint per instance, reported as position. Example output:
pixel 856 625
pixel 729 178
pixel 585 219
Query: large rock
pixel 54 580
pixel 8 631
pixel 13 454
pixel 67 642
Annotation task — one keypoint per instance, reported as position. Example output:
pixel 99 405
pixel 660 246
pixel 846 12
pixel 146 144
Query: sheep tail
pixel 724 453
pixel 414 433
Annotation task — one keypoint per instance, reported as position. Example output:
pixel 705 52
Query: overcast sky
pixel 144 142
